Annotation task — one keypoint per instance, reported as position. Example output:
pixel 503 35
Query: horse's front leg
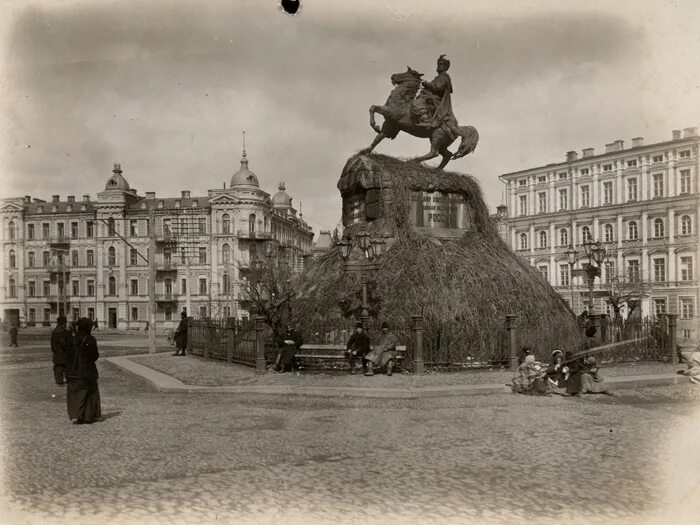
pixel 372 123
pixel 380 136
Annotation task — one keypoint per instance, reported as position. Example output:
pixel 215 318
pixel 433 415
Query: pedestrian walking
pixel 83 395
pixel 384 353
pixel 61 344
pixel 13 334
pixel 358 346
pixel 181 335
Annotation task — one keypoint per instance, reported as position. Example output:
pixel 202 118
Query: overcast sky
pixel 165 88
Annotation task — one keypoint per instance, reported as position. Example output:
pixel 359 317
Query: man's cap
pixel 183 314
pixel 557 352
pixel 61 319
pixel 385 325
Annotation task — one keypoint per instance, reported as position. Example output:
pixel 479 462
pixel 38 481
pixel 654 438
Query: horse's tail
pixel 470 138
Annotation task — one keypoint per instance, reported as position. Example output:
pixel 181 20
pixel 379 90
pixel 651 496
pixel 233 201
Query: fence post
pixel 672 324
pixel 418 366
pixel 510 327
pixel 259 346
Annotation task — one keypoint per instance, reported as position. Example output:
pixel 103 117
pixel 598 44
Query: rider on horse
pixel 432 108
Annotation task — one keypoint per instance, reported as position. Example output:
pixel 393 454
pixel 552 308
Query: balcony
pixel 253 235
pixel 166 239
pixel 58 268
pixel 59 241
pixel 166 267
pixel 166 298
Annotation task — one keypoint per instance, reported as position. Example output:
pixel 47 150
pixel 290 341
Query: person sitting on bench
pixel 358 346
pixel 288 344
pixel 384 353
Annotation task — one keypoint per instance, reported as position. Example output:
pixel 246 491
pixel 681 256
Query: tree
pixel 624 289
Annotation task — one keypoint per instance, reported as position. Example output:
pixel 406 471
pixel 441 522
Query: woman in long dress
pixel 83 394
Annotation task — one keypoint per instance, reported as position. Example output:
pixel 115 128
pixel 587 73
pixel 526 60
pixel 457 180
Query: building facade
pixel 90 257
pixel 641 202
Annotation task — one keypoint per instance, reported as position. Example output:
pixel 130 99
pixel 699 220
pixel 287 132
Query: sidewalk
pixel 177 374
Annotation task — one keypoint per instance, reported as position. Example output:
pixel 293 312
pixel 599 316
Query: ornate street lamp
pixel 596 256
pixel 571 258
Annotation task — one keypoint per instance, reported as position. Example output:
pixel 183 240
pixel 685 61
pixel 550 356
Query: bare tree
pixel 626 290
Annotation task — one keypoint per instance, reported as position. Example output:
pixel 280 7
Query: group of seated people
pixel 566 375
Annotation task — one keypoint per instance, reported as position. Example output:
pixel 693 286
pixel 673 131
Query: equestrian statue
pixel 427 115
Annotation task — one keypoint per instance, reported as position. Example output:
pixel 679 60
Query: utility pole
pixel 152 280
pixel 187 285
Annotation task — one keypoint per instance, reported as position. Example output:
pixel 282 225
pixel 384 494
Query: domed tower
pixel 281 200
pixel 117 181
pixel 244 178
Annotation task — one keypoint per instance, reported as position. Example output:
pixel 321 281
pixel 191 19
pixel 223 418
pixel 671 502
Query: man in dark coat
pixel 358 346
pixel 13 334
pixel 288 344
pixel 61 344
pixel 181 335
pixel 384 352
pixel 82 393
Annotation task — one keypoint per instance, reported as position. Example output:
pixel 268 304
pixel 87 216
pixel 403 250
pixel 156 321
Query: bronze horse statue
pixel 398 116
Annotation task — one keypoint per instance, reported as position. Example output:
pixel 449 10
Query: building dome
pixel 244 177
pixel 116 181
pixel 281 198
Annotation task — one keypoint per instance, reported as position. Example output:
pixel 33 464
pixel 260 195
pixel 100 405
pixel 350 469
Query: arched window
pixel 225 223
pixel 585 234
pixel 563 237
pixel 112 285
pixel 13 259
pixel 658 227
pixel 110 226
pixel 632 233
pixel 11 288
pixel 543 239
pixel 226 283
pixel 111 256
pixel 523 241
pixel 225 253
pixel 609 237
pixel 251 223
pixel 11 232
pixel 686 225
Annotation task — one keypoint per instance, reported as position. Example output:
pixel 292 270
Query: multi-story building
pixel 90 257
pixel 642 203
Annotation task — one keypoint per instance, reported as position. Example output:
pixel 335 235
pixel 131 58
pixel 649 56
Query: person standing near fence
pixel 181 335
pixel 358 346
pixel 61 344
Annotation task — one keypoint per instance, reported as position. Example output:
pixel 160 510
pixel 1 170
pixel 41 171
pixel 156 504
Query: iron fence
pixel 645 339
pixel 227 340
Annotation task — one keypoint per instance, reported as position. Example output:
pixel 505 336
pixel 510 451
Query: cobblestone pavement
pixel 218 458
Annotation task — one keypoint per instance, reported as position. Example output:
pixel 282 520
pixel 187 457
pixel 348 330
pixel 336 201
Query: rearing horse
pixel 397 117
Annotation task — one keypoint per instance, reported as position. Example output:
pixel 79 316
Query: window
pixel 585 196
pixel 225 254
pixel 657 158
pixel 658 228
pixel 659 270
pixel 134 286
pixel 90 258
pixel 225 223
pixel 76 313
pixel 168 313
pixel 609 267
pixel 686 268
pixel 202 256
pixel 544 271
pixel 133 257
pixel 632 163
pixel 202 286
pixel 202 311
pixel 659 306
pixel 183 286
pixel 585 171
pixel 133 228
pixel 112 286
pixel 74 230
pixel 632 231
pixel 585 234
pixel 563 175
pixel 523 241
pixel 111 256
pixel 31 289
pixel 91 313
pixel 542 201
pixel 563 237
pixel 60 230
pixel 32 316
pixel 658 179
pixel 541 179
pixel 166 227
pixel 75 288
pixel 543 239
pixel 632 189
pixel 563 199
pixel 522 182
pixel 226 284
pixel 13 259
pixel 687 307
pixel 609 236
pixel 685 181
pixel 251 223
pixel 74 258
pixel 110 226
pixel 30 231
pixel 685 154
pixel 202 226
pixel 564 275
pixel 46 315
pixel 30 259
pixel 90 287
pixel 633 270
pixel 89 229
pixel 12 288
pixel 607 167
pixel 46 289
pixel 523 204
pixel 607 193
pixel 168 286
pixel 686 225
pixel 45 233
pixel 11 232
pixel 134 313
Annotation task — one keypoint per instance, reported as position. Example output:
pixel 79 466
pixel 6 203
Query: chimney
pixel 27 199
pixel 55 198
pixel 71 198
pixel 571 156
pixel 637 142
pixel 502 211
pixel 117 168
pixel 690 132
pixel 150 195
pixel 619 145
pixel 86 198
pixel 588 152
pixel 185 194
pixel 609 148
pixel 676 134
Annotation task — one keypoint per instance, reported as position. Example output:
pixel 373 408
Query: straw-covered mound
pixel 464 288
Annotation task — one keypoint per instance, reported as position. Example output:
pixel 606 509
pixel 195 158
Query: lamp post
pixel 596 254
pixel 372 247
pixel 571 257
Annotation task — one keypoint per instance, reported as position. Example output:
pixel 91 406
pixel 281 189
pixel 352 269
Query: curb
pixel 164 383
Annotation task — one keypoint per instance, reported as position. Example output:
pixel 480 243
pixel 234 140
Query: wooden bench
pixel 311 351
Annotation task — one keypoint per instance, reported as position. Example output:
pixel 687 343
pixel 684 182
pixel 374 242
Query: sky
pixel 166 88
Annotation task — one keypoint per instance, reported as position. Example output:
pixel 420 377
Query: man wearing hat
pixel 433 106
pixel 358 346
pixel 61 344
pixel 384 353
pixel 181 335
